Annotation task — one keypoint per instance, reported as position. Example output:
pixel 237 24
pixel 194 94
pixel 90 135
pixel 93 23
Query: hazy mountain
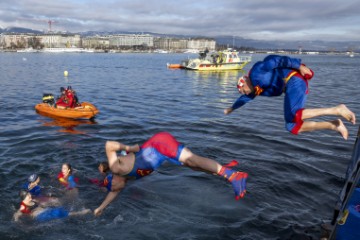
pixel 19 30
pixel 286 45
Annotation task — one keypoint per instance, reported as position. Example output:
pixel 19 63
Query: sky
pixel 327 20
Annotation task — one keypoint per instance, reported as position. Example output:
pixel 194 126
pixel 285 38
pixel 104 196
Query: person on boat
pixel 142 161
pixel 66 178
pixel 42 212
pixel 66 99
pixel 276 75
pixel 76 102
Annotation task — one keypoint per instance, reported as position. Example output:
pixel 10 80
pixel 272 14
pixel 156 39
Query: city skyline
pixel 256 19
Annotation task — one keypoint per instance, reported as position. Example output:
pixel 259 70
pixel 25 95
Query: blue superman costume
pixel 274 76
pixel 160 147
pixel 164 147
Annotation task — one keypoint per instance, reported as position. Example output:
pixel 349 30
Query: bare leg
pixel 199 163
pixel 340 110
pixel 237 179
pixel 336 125
pixel 83 212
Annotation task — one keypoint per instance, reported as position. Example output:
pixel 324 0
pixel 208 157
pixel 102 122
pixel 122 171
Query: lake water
pixel 293 180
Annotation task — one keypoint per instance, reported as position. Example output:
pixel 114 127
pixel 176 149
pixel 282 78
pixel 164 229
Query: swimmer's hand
pixel 228 111
pixel 133 148
pixel 17 216
pixel 98 212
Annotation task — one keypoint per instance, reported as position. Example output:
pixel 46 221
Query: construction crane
pixel 50 22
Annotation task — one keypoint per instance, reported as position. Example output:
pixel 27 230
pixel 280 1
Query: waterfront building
pixel 98 42
pixel 14 40
pixel 53 40
pixel 129 40
pixel 65 40
pixel 201 43
pixel 169 44
pixel 173 44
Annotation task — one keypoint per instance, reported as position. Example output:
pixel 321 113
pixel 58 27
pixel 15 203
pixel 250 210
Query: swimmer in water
pixel 42 212
pixel 141 161
pixel 66 178
pixel 33 187
pixel 104 170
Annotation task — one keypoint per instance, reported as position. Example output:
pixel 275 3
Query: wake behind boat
pixel 214 61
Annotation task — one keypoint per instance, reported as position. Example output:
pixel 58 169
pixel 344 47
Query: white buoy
pixel 66 73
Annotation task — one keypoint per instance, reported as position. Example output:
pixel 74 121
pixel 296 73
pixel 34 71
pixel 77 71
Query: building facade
pixel 145 41
pixel 129 40
pixel 61 40
pixel 97 42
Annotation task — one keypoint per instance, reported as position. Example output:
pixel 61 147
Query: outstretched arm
pixel 118 183
pixel 242 100
pixel 109 198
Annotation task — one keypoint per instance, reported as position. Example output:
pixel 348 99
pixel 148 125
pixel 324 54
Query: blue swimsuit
pixel 107 182
pixel 160 147
pixel 35 191
pixel 51 214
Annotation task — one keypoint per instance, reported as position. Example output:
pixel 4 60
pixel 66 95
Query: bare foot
pixel 86 211
pixel 228 111
pixel 346 113
pixel 340 127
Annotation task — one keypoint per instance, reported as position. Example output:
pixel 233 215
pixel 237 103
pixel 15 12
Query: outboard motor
pixel 48 98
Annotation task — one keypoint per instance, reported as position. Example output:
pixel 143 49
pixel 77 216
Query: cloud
pixel 258 19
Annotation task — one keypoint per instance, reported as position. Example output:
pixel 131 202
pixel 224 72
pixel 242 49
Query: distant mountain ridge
pixel 19 30
pixel 306 45
pixel 231 41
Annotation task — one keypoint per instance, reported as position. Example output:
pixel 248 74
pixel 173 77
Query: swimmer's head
pixel 33 177
pixel 23 194
pixel 66 169
pixel 103 167
pixel 244 85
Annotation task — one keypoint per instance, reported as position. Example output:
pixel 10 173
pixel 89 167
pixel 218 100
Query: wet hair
pixel 33 178
pixel 22 194
pixel 62 89
pixel 69 167
pixel 105 166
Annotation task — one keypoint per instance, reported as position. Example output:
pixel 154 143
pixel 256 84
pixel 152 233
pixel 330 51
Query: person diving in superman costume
pixel 142 161
pixel 276 75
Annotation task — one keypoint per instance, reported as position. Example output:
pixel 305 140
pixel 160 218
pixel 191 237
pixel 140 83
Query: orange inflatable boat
pixel 85 111
pixel 174 65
